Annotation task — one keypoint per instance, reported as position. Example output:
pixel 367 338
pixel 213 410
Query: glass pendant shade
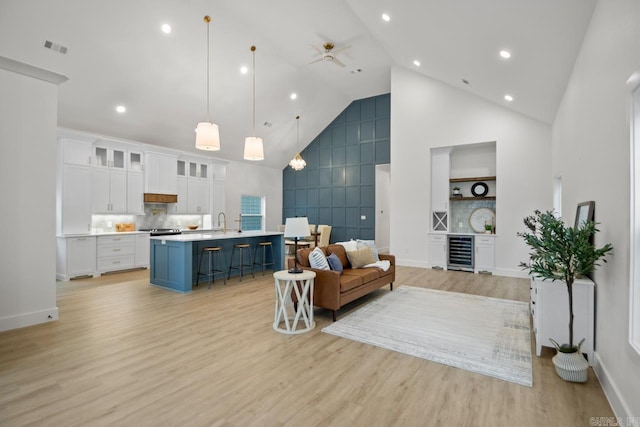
pixel 253 148
pixel 297 163
pixel 207 136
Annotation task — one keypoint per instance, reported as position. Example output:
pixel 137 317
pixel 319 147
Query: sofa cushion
pixel 371 244
pixel 317 259
pixel 335 263
pixel 303 256
pixel 360 257
pixel 340 253
pixel 366 274
pixel 350 245
pixel 349 281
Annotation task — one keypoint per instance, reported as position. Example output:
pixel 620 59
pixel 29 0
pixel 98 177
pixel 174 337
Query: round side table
pixel 286 318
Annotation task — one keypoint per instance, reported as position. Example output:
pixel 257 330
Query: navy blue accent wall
pixel 337 186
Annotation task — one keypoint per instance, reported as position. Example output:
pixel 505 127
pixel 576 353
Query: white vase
pixel 571 366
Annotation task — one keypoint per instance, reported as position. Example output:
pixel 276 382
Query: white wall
pixel 426 113
pixel 254 180
pixel 590 141
pixel 28 115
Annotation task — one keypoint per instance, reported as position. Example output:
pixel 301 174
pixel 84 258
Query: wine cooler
pixel 460 253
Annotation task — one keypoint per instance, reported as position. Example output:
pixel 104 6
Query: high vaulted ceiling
pixel 118 55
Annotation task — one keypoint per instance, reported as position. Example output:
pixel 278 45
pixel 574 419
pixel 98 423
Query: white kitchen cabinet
pixel 485 256
pixel 182 207
pixel 440 164
pixel 74 199
pixel 108 190
pixel 438 251
pixel 142 250
pixel 217 202
pixel 75 257
pixel 135 193
pixel 136 161
pixel 160 173
pixel 76 152
pixel 115 253
pixel 198 196
pixel 109 157
pixel 550 312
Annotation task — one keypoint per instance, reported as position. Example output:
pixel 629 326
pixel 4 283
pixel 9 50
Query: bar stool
pixel 263 263
pixel 241 265
pixel 212 252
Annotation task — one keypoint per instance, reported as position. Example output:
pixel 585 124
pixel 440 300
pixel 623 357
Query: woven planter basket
pixel 571 366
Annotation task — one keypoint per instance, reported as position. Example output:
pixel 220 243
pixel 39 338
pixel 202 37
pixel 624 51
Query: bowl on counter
pixel 192 227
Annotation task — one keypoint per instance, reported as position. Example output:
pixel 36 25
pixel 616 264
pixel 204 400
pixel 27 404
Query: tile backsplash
pixel 155 217
pixel 461 211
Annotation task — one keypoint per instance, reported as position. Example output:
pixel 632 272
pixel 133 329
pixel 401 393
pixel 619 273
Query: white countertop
pixel 104 233
pixel 194 237
pixel 451 233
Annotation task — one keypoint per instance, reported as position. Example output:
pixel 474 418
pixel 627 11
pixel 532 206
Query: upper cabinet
pixel 160 173
pixel 75 152
pixel 194 186
pixel 109 157
pixel 440 189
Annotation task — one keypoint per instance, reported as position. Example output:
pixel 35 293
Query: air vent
pixel 55 46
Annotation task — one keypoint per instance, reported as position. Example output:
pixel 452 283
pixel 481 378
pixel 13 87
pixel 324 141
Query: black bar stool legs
pixel 241 265
pixel 212 252
pixel 264 262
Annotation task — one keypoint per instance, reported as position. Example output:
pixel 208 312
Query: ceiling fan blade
pixel 317 60
pixel 337 62
pixel 320 51
pixel 342 49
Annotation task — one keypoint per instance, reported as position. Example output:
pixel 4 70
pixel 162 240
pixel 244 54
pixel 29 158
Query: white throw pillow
pixel 349 246
pixel 318 260
pixel 371 244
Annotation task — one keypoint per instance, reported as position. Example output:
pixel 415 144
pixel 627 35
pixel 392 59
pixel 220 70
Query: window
pixel 252 212
pixel 557 196
pixel 634 262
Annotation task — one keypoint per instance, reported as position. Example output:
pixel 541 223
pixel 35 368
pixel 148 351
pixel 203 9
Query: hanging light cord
pixel 298 134
pixel 207 19
pixel 253 49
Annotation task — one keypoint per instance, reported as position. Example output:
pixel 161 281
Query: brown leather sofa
pixel 333 290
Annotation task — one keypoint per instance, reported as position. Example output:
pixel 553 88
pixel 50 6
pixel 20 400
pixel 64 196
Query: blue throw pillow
pixel 334 263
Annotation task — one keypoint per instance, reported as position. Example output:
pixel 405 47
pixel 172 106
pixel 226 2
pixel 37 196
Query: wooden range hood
pixel 160 198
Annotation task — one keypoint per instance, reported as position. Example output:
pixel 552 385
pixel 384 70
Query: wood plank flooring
pixel 125 353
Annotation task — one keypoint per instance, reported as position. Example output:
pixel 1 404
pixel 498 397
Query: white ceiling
pixel 118 55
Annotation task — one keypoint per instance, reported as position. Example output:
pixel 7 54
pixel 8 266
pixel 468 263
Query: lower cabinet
pixel 485 256
pixel 438 250
pixel 75 257
pixel 115 253
pixel 550 311
pixel 142 250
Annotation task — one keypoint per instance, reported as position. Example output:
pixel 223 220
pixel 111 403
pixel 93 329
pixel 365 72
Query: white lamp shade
pixel 253 148
pixel 296 227
pixel 207 136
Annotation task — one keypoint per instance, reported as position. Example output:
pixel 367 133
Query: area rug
pixel 484 335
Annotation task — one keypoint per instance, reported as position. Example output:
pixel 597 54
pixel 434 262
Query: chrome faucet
pixel 224 223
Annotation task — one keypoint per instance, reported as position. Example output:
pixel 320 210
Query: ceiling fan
pixel 328 54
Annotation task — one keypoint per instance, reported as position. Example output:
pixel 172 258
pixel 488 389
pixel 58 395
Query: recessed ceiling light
pixel 121 109
pixel 166 28
pixel 294 96
pixel 508 98
pixel 416 63
pixel 385 17
pixel 244 70
pixel 505 54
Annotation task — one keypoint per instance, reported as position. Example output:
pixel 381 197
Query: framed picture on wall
pixel 584 213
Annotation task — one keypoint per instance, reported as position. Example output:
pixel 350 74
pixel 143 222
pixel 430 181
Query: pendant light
pixel 297 163
pixel 253 149
pixel 207 134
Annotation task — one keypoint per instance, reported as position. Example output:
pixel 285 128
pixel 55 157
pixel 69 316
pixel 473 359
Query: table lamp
pixel 296 228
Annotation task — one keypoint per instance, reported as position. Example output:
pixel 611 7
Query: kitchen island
pixel 174 258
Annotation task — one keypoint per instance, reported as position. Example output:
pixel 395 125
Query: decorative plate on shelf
pixel 480 217
pixel 479 189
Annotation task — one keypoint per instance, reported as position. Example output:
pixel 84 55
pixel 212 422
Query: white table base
pixel 287 319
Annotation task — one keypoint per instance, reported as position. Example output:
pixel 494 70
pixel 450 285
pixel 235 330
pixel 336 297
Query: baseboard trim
pixel 412 263
pixel 28 319
pixel 611 391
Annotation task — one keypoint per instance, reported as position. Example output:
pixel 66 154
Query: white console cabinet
pixel 485 257
pixel 550 311
pixel 438 251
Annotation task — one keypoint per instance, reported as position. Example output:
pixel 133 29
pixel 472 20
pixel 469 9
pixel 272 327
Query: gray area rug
pixel 484 335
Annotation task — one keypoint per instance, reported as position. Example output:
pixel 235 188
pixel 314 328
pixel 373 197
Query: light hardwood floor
pixel 125 353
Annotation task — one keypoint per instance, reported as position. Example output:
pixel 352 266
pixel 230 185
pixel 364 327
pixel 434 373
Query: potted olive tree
pixel 560 252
